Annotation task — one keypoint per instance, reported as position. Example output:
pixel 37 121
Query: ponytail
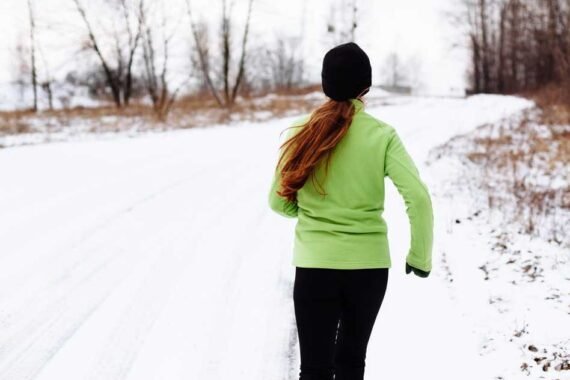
pixel 317 138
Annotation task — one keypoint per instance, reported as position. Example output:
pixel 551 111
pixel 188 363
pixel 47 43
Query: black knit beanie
pixel 346 72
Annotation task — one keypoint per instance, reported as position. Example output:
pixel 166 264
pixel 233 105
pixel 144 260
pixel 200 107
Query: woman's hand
pixel 417 272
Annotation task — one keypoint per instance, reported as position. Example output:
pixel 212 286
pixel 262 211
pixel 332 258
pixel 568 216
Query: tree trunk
pixel 113 81
pixel 241 68
pixel 475 58
pixel 33 70
pixel 226 52
pixel 484 53
pixel 501 68
pixel 204 66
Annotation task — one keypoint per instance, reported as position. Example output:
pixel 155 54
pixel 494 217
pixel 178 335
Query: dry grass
pixel 187 112
pixel 554 101
pixel 522 170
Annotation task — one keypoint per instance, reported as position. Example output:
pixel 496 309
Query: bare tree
pixel 227 95
pixel 518 45
pixel 485 50
pixel 202 47
pixel 133 42
pixel 120 75
pixel 283 63
pixel 156 56
pixel 287 63
pixel 242 60
pixel 200 57
pixel 33 67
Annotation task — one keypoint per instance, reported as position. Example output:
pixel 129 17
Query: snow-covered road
pixel 157 257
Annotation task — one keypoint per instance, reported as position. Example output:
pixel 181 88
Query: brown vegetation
pixel 523 47
pixel 189 111
pixel 554 100
pixel 522 169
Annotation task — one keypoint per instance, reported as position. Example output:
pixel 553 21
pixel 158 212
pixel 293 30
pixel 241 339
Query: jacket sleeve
pixel 277 203
pixel 401 169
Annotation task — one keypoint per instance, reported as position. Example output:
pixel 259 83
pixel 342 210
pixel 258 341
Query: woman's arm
pixel 279 204
pixel 401 169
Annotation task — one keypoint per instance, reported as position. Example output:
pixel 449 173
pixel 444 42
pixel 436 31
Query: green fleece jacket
pixel 345 228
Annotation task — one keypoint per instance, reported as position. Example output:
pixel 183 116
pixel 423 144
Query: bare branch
pixel 33 70
pixel 243 53
pixel 111 79
pixel 202 57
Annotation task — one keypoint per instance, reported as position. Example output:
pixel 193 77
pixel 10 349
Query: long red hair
pixel 315 141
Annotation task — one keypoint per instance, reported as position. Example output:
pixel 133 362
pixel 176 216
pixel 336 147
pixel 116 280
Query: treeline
pixel 131 46
pixel 518 45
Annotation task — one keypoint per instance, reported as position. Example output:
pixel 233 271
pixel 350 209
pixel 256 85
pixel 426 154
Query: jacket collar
pixel 358 104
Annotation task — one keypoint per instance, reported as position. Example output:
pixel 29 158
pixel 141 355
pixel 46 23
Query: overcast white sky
pixel 416 28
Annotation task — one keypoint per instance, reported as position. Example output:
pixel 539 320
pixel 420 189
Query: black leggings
pixel 335 310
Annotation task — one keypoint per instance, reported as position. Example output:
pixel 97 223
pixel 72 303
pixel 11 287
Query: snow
pixel 512 286
pixel 157 257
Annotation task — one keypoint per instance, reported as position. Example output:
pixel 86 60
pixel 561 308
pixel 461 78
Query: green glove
pixel 417 272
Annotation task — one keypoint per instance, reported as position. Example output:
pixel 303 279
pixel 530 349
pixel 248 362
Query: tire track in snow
pixel 71 256
pixel 293 348
pixel 23 352
pixel 240 233
pixel 266 333
pixel 42 295
pixel 18 285
pixel 130 332
pixel 282 326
